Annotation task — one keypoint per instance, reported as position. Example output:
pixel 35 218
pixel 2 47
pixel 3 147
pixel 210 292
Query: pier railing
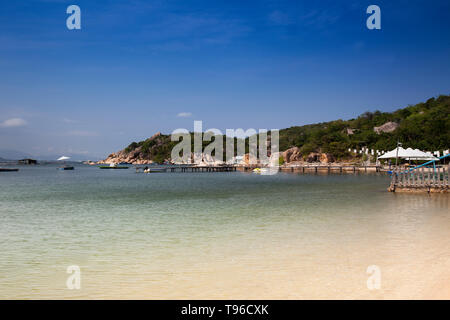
pixel 430 179
pixel 332 168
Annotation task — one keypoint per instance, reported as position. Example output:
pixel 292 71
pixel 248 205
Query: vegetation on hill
pixel 425 126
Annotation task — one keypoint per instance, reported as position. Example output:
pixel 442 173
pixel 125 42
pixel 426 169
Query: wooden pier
pixel 324 168
pixel 186 169
pixel 247 168
pixel 431 180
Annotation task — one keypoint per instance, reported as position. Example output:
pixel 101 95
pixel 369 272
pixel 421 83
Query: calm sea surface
pixel 218 235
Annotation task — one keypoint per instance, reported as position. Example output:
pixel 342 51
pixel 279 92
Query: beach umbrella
pixel 409 154
pixel 63 158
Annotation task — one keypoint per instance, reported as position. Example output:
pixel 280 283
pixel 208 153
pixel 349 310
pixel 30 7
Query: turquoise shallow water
pixel 216 235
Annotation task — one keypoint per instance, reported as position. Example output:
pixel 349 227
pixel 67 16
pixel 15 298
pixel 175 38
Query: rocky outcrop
pixel 350 131
pixel 206 160
pixel 326 158
pixel 249 159
pixel 292 154
pixel 320 157
pixel 313 157
pixel 387 127
pixel 134 157
pixel 158 134
pixel 143 152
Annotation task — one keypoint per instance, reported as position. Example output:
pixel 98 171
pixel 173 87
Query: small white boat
pixel 153 170
pixel 64 167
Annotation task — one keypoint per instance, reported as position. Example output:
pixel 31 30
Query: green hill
pixel 425 126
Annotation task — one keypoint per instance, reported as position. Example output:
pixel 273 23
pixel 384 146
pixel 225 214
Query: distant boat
pixel 154 170
pixel 113 166
pixel 8 169
pixel 27 161
pixel 66 168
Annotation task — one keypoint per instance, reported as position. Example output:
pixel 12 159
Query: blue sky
pixel 138 67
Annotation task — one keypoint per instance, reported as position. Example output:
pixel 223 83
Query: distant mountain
pixel 73 157
pixel 10 154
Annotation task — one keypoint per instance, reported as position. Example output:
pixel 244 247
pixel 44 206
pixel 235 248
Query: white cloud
pixel 14 122
pixel 67 120
pixel 184 114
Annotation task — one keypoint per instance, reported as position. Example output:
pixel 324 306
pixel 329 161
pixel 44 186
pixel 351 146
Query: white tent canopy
pixel 63 158
pixel 408 154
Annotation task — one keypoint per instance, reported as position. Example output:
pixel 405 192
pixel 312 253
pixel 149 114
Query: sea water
pixel 218 235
